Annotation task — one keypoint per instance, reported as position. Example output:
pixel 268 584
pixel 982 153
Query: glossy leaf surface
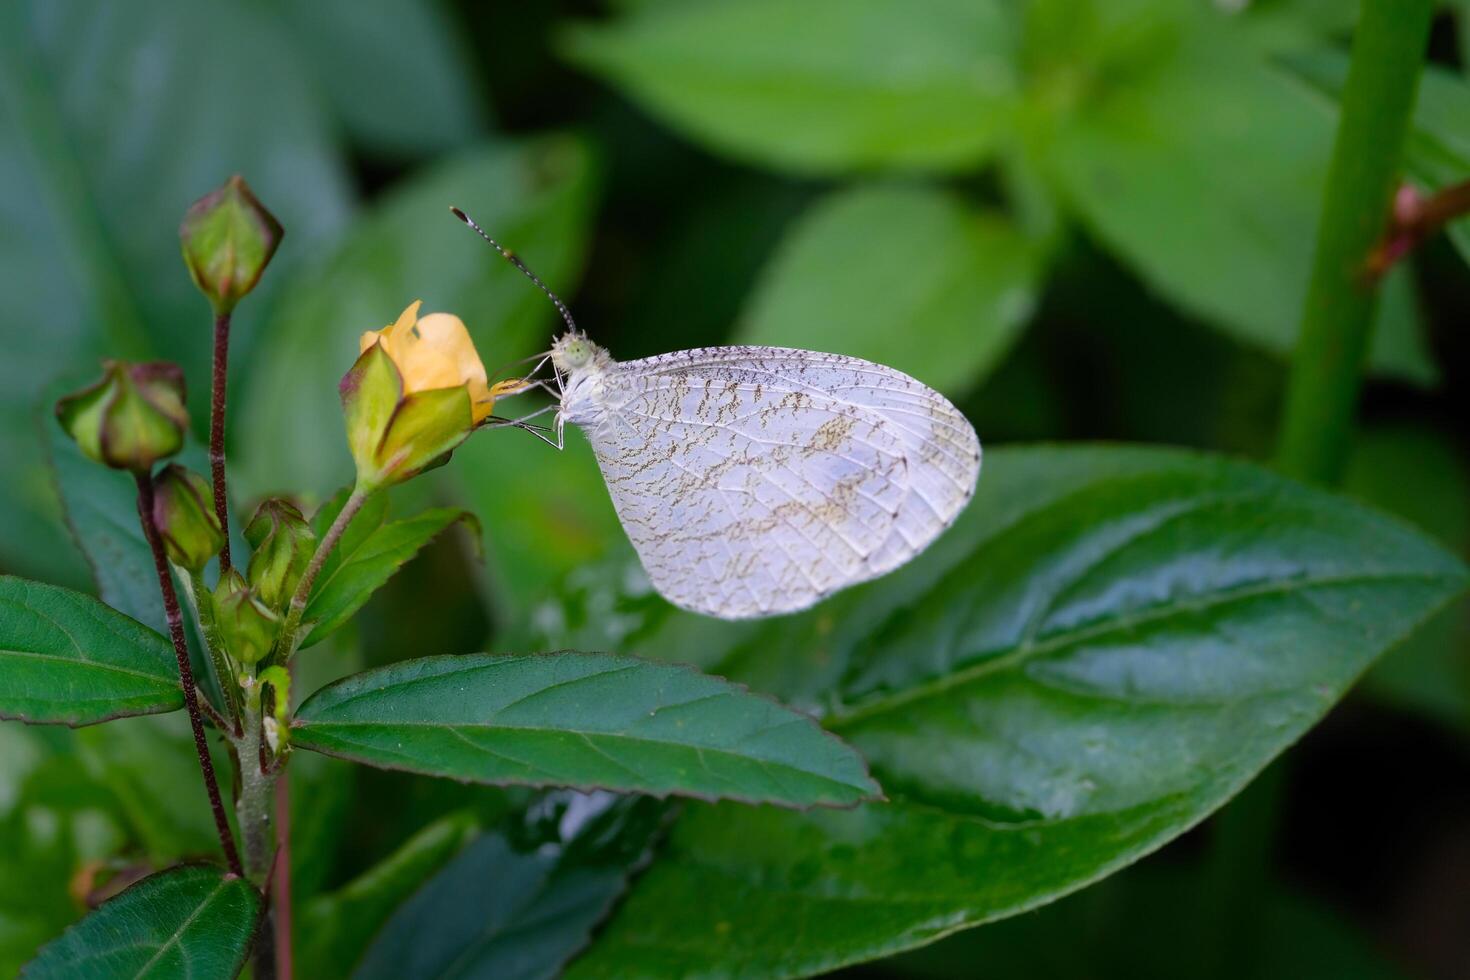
pixel 1105 648
pixel 584 720
pixel 65 657
pixel 192 922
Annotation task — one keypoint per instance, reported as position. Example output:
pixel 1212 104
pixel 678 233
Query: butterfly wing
pixel 756 480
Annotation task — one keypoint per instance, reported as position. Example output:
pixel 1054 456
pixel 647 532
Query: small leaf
pixel 909 276
pixel 519 902
pixel 191 921
pixel 1106 647
pixel 68 658
pixel 336 928
pixel 585 720
pixel 818 86
pixel 370 551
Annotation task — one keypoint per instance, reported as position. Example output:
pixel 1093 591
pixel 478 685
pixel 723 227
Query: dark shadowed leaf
pixel 908 276
pixel 1419 474
pixel 533 195
pixel 336 928
pixel 1107 646
pixel 520 901
pixel 1201 166
pixel 192 922
pixel 1298 937
pixel 65 657
pixel 111 122
pixel 824 85
pixel 371 550
pixel 585 720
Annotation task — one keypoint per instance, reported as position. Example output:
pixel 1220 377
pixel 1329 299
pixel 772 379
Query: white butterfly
pixel 754 481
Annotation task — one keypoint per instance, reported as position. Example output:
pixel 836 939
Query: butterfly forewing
pixel 756 480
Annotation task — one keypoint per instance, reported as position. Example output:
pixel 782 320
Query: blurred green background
pixel 1081 219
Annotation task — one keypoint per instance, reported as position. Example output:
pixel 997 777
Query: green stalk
pixel 1377 103
pixel 291 629
pixel 1322 394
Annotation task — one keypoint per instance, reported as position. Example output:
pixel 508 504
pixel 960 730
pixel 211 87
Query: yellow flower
pixel 417 390
pixel 434 352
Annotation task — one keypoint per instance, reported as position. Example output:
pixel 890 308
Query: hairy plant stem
pixel 186 672
pixel 281 879
pixel 217 431
pixel 253 813
pixel 290 630
pixel 264 787
pixel 1377 101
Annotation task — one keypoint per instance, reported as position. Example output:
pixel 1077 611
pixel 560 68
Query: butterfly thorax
pixel 585 367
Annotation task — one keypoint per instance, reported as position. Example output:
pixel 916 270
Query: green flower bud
pixel 247 625
pixel 183 509
pixel 283 543
pixel 131 418
pixel 228 238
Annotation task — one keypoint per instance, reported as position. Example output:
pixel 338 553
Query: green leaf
pixel 519 902
pixel 1105 648
pixel 1202 166
pixel 398 76
pixel 336 928
pixel 370 551
pixel 907 276
pixel 99 157
pixel 533 195
pixel 585 720
pixel 192 921
pixel 68 658
pixel 820 86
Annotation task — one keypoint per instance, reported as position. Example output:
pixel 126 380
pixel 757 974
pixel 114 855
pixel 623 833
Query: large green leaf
pixel 336 928
pixel 907 276
pixel 111 121
pixel 520 901
pixel 1107 646
pixel 1202 167
pixel 535 196
pixel 585 720
pixel 819 86
pixel 370 551
pixel 68 658
pixel 192 922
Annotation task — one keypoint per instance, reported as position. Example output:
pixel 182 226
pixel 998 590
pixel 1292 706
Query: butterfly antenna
pixel 515 260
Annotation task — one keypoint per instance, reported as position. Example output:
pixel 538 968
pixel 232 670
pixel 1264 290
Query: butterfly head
pixel 572 352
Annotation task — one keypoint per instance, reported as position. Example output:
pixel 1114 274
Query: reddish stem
pixel 186 672
pixel 1414 218
pixel 217 432
pixel 281 885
